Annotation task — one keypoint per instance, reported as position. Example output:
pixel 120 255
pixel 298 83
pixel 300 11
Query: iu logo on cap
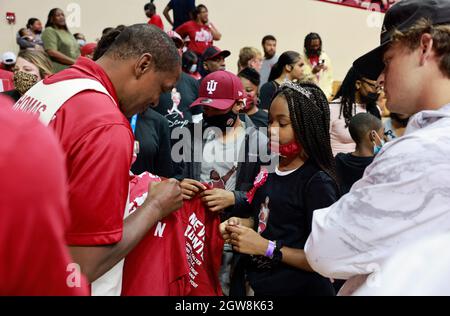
pixel 211 86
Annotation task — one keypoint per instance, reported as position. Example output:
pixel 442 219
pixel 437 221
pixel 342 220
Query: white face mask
pixel 193 68
pixel 81 42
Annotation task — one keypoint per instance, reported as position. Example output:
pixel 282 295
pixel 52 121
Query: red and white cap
pixel 176 38
pixel 220 90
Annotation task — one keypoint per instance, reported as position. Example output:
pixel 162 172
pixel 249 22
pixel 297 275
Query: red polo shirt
pixel 34 212
pixel 156 21
pixel 199 34
pixel 98 143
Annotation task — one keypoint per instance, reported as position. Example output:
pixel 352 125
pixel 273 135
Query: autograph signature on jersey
pixel 174 114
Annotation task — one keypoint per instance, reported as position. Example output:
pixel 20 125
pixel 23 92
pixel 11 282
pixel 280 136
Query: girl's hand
pixel 245 240
pixel 190 188
pixel 218 199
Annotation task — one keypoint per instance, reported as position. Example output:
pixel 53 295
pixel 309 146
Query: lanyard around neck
pixel 133 123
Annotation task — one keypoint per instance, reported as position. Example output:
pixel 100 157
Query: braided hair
pixel 310 117
pixel 347 93
pixel 308 40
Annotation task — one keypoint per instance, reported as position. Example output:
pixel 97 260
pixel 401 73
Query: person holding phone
pixel 318 67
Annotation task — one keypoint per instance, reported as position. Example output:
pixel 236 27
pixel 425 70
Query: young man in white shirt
pixel 404 195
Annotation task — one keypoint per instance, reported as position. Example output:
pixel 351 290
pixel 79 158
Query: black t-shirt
pixel 175 105
pixel 350 169
pixel 13 94
pixel 152 133
pixel 283 210
pixel 181 10
pixel 260 118
pixel 267 93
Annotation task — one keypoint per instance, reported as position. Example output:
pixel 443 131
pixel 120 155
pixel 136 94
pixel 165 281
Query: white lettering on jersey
pixel 203 36
pixel 159 230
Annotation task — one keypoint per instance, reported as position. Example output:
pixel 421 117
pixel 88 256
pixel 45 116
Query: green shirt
pixel 62 41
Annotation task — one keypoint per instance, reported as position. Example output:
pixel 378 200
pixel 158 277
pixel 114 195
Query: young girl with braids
pixel 283 202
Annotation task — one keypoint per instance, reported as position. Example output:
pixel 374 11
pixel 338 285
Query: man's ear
pixel 144 64
pixel 372 136
pixel 358 84
pixel 205 66
pixel 426 48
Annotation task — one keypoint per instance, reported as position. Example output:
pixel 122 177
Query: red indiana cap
pixel 220 90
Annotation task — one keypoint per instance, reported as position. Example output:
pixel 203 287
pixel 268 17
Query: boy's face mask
pixel 377 148
pixel 223 121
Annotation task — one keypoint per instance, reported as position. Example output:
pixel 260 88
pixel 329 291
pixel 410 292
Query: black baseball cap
pixel 213 52
pixel 401 16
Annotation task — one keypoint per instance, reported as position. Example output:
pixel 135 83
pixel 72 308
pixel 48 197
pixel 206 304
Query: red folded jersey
pixel 204 247
pixel 180 256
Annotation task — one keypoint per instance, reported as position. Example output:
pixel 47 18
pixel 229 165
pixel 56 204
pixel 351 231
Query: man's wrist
pixel 154 207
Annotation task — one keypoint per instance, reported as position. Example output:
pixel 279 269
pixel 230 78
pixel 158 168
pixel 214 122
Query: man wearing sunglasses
pixel 359 93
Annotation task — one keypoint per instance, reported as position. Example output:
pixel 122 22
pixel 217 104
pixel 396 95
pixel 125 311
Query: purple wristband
pixel 270 249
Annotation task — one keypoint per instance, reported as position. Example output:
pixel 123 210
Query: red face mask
pixel 250 101
pixel 288 150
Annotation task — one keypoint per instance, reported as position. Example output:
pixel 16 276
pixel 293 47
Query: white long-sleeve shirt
pixel 403 196
pixel 420 269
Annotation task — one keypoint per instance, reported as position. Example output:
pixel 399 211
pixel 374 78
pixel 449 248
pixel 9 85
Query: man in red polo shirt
pixel 34 212
pixel 88 106
pixel 200 31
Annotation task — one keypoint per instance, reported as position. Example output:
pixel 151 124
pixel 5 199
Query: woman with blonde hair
pixel 31 67
pixel 250 57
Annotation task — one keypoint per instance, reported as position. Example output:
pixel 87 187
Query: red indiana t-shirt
pixel 180 256
pixel 155 267
pixel 204 247
pixel 98 144
pixel 156 21
pixel 199 34
pixel 34 212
